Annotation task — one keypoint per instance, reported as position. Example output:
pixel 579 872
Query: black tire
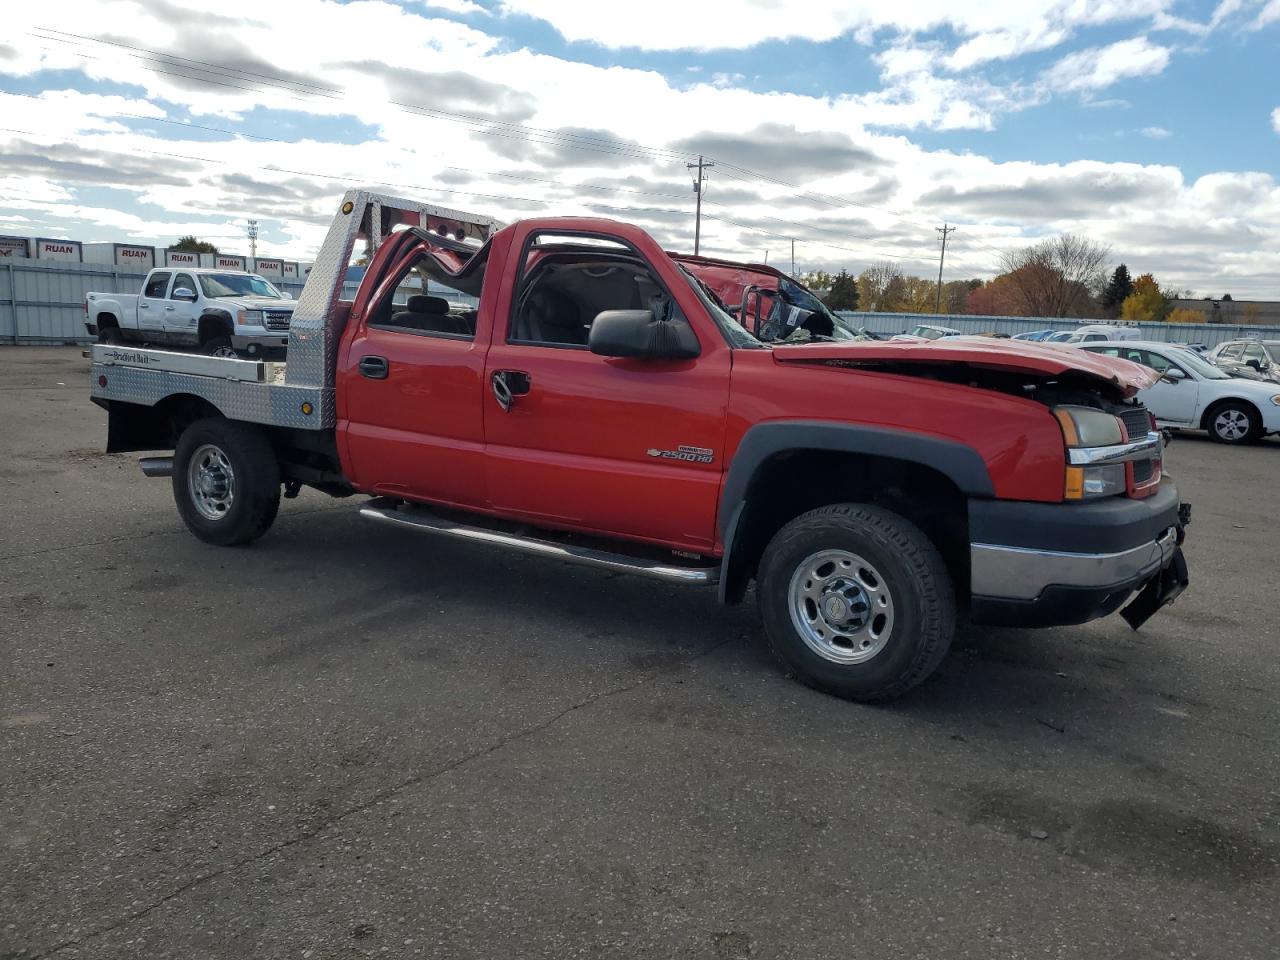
pixel 110 335
pixel 920 600
pixel 255 481
pixel 1224 422
pixel 218 346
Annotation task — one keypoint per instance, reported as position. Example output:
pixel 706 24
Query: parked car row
pixel 1194 393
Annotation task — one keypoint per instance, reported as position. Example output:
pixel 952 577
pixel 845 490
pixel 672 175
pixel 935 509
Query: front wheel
pixel 856 601
pixel 1234 423
pixel 219 347
pixel 226 481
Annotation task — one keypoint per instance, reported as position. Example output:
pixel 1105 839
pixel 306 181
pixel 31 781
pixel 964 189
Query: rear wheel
pixel 226 481
pixel 856 601
pixel 1234 422
pixel 110 335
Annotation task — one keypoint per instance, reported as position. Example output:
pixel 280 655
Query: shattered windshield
pixel 739 336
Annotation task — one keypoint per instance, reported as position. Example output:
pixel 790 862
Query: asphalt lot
pixel 351 741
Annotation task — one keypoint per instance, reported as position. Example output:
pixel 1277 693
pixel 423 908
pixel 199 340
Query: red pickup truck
pixel 693 420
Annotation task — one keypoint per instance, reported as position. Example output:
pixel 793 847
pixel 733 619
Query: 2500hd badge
pixel 685 453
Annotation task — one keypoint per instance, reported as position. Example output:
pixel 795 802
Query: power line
pixel 218 75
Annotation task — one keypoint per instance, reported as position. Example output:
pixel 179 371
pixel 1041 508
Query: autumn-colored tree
pixel 881 288
pixel 1057 277
pixel 1183 315
pixel 997 297
pixel 955 295
pixel 1146 302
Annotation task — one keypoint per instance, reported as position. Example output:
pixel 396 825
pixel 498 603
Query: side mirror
pixel 1174 374
pixel 640 335
pixel 184 293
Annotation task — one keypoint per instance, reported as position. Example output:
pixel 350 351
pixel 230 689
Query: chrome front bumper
pixel 1023 574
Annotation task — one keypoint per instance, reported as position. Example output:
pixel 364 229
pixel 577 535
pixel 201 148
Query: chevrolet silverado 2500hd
pixel 604 405
pixel 224 313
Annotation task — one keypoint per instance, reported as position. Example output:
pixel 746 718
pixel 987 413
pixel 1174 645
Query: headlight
pixel 1086 427
pixel 249 318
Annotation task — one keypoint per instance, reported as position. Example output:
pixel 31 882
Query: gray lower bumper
pixel 1021 573
pixel 262 341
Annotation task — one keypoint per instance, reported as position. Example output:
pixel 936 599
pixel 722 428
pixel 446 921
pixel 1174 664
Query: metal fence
pixel 1210 334
pixel 44 303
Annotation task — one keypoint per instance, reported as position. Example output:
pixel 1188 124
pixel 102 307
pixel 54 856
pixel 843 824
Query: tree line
pixel 1064 276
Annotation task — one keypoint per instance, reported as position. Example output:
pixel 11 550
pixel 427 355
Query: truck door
pixel 410 381
pixel 181 312
pixel 151 304
pixel 621 447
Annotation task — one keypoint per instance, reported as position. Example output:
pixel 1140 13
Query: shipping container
pixel 269 268
pixel 229 261
pixel 187 258
pixel 65 250
pixel 120 255
pixel 15 247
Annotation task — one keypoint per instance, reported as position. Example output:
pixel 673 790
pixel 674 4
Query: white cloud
pixel 1100 67
pixel 1267 15
pixel 1275 119
pixel 184 181
pixel 455 6
pixel 1156 133
pixel 1015 25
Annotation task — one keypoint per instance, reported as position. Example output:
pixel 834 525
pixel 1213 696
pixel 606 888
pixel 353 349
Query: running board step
pixel 418 518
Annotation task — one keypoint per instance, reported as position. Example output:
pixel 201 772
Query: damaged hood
pixel 1010 356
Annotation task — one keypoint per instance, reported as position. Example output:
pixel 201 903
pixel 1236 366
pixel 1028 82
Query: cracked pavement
pixel 349 741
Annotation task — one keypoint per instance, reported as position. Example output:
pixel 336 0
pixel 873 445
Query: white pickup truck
pixel 223 313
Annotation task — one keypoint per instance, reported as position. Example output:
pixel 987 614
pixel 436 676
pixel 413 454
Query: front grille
pixel 1137 422
pixel 276 319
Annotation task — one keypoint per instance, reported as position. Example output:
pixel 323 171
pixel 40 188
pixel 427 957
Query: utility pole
pixel 253 238
pixel 702 165
pixel 793 256
pixel 944 230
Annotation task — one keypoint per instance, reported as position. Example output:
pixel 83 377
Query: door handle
pixel 509 384
pixel 143 306
pixel 168 308
pixel 375 368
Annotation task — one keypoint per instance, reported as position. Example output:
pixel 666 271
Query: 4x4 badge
pixel 686 453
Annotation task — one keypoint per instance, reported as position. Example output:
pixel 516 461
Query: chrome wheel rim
pixel 212 482
pixel 224 352
pixel 1231 424
pixel 841 606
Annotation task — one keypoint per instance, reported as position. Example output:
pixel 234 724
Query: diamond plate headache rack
pixel 371 217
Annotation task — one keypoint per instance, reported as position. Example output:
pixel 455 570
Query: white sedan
pixel 1194 393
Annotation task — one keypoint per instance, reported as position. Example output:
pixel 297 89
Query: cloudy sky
pixel 853 126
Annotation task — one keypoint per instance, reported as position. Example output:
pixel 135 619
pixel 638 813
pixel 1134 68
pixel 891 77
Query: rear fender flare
pixel 961 464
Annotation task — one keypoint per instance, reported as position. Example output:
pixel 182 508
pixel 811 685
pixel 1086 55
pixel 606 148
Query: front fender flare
pixel 961 464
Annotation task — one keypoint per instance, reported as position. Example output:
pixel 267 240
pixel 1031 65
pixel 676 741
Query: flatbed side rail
pixel 248 390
